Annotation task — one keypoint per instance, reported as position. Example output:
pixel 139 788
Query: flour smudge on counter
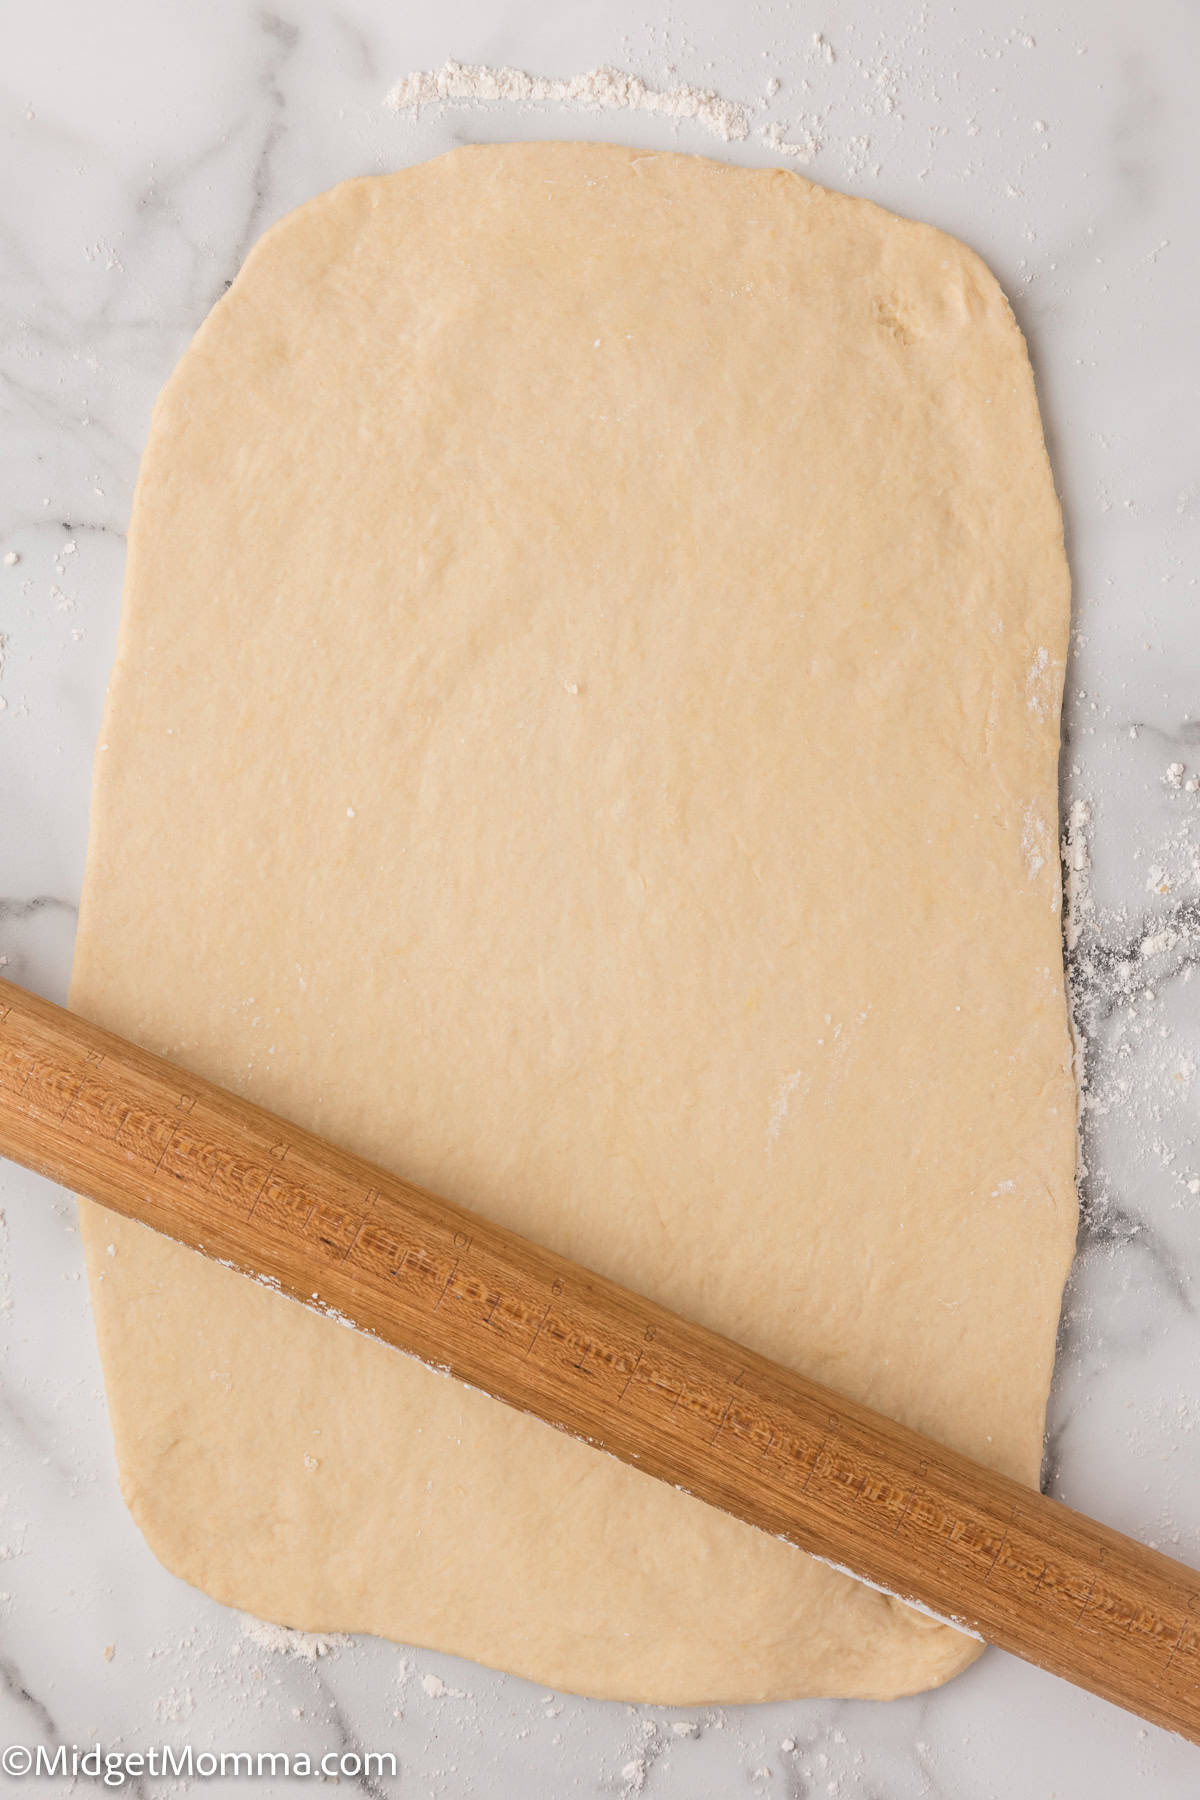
pixel 598 90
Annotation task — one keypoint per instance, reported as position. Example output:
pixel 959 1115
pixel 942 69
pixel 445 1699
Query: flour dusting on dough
pixel 783 1099
pixel 1039 682
pixel 1035 837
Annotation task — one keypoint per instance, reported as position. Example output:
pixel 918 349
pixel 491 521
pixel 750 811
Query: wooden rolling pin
pixel 895 1509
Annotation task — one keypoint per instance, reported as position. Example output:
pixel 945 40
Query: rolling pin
pixel 897 1510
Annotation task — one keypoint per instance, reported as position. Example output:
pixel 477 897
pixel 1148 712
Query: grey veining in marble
pixel 146 145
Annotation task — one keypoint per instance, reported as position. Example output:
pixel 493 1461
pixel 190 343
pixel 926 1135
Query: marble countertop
pixel 146 145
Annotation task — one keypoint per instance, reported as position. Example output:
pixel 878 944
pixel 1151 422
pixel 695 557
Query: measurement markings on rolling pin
pixel 464 1296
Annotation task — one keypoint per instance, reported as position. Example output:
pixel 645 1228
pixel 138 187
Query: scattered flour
pixel 601 90
pixel 598 90
pixel 175 1707
pixel 783 1100
pixel 306 1646
pixel 437 1689
pixel 854 99
pixel 1076 872
pixel 800 149
pixel 1134 1054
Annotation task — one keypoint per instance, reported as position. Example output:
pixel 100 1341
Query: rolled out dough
pixel 584 735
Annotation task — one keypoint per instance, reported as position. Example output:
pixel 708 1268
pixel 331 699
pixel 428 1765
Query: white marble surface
pixel 146 144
